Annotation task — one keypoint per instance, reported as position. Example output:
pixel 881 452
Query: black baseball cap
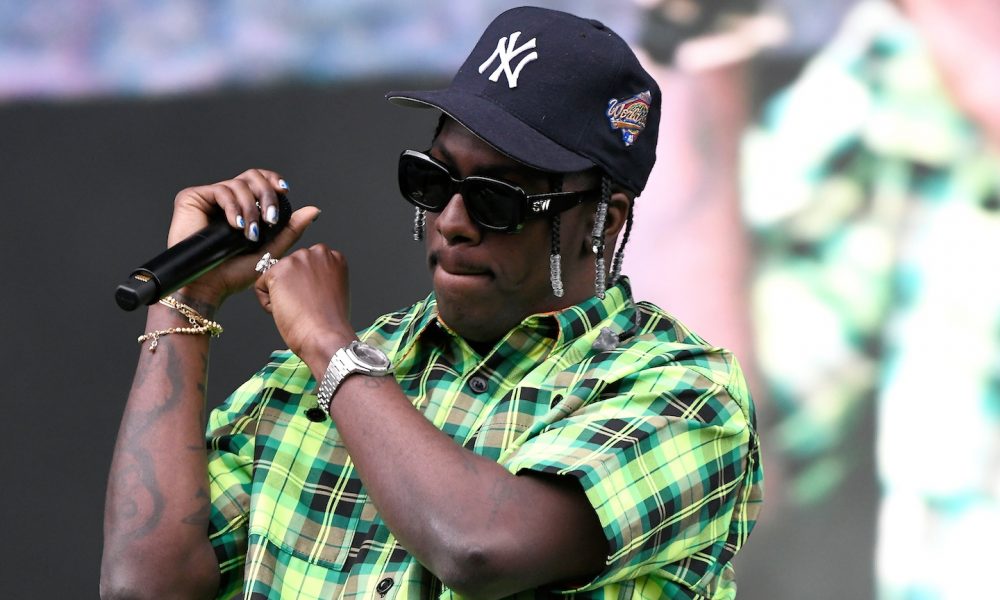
pixel 556 92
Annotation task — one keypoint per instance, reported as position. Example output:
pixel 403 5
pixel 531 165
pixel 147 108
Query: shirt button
pixel 316 414
pixel 384 586
pixel 478 384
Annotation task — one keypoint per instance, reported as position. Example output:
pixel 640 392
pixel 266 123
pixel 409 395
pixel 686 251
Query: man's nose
pixel 455 224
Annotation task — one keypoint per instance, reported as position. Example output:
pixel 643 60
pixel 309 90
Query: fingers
pixel 302 258
pixel 284 240
pixel 248 200
pixel 261 291
pixel 297 224
pixel 265 186
pixel 309 279
pixel 233 201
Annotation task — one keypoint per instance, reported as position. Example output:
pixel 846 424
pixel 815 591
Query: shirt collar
pixel 578 320
pixel 564 325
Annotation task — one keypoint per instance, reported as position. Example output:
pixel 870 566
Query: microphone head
pixel 138 290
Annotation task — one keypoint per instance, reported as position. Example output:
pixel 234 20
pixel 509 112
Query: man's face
pixel 487 282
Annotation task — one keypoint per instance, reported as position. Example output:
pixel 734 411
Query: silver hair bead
pixel 555 274
pixel 597 240
pixel 419 223
pixel 597 237
pixel 600 283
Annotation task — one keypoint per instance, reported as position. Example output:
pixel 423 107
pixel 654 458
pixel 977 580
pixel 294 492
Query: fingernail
pixel 272 215
pixel 240 222
pixel 283 184
pixel 318 212
pixel 254 232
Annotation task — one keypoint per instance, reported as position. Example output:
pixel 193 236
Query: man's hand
pixel 238 200
pixel 308 295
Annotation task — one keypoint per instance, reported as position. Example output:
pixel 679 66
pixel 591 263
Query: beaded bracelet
pixel 199 324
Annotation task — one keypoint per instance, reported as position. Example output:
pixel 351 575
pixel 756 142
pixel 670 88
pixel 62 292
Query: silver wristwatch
pixel 358 357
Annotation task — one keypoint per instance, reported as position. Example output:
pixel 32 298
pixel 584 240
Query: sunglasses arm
pixel 554 203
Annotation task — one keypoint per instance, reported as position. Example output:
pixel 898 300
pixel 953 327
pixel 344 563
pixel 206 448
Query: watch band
pixel 357 357
pixel 337 369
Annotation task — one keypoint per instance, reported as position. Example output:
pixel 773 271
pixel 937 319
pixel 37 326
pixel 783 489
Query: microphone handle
pixel 193 256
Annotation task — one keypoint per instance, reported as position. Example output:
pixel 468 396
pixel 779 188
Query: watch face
pixel 371 356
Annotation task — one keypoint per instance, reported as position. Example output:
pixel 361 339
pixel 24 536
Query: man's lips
pixel 455 265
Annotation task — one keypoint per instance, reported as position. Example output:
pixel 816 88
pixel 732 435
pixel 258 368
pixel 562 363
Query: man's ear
pixel 618 212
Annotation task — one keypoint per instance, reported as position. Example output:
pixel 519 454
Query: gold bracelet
pixel 199 324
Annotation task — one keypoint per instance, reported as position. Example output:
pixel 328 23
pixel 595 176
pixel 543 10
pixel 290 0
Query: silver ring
pixel 265 263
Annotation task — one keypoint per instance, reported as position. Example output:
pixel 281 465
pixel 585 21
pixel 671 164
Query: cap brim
pixel 498 128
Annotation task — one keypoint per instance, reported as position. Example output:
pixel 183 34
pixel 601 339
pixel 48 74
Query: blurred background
pixel 824 203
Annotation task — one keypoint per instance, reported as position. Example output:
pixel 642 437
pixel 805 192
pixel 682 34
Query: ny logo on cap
pixel 506 52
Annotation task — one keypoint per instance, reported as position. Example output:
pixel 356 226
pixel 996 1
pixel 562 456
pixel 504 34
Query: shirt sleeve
pixel 230 440
pixel 667 458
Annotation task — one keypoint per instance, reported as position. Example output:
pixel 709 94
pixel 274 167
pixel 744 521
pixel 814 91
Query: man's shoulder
pixel 660 332
pixel 665 342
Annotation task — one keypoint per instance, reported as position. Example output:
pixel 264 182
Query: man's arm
pixel 485 532
pixel 157 506
pixel 482 530
pixel 156 514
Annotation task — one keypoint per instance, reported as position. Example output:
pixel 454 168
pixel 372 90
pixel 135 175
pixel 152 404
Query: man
pixel 540 432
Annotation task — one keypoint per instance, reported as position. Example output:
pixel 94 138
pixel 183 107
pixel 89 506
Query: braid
pixel 597 238
pixel 555 257
pixel 419 223
pixel 555 260
pixel 616 264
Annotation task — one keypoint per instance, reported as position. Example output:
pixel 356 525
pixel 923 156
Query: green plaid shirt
pixel 659 430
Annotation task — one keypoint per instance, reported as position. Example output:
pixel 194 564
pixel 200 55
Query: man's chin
pixel 472 320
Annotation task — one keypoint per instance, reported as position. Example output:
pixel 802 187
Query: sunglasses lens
pixel 492 204
pixel 423 183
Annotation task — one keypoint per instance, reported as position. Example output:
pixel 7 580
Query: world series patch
pixel 629 115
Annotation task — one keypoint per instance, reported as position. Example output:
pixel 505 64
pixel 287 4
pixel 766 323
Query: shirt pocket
pixel 307 497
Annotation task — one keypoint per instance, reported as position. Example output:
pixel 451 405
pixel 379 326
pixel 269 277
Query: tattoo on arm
pixel 172 399
pixel 143 503
pixel 141 499
pixel 501 493
pixel 199 518
pixel 374 382
pixel 203 387
pixel 139 381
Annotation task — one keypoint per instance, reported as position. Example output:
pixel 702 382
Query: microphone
pixel 191 257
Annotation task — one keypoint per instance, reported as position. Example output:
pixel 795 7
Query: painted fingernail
pixel 272 215
pixel 254 232
pixel 240 222
pixel 283 184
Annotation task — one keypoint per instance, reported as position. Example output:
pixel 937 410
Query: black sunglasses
pixel 493 204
